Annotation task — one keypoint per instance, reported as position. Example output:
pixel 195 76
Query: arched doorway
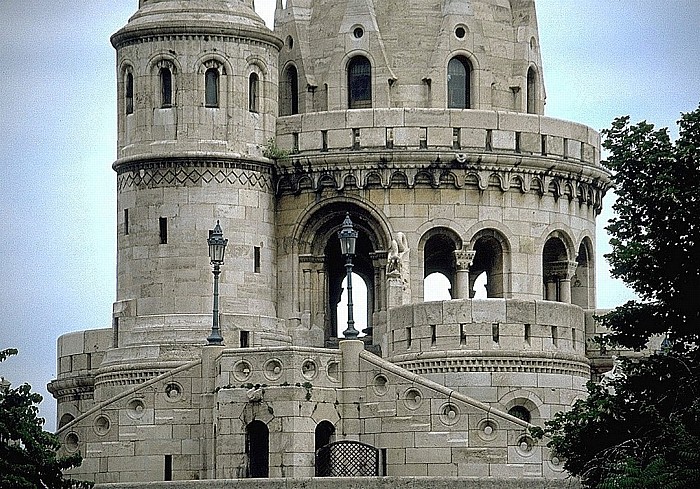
pixel 257 448
pixel 322 266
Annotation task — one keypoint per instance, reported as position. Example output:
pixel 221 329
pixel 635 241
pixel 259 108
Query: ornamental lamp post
pixel 217 246
pixel 348 236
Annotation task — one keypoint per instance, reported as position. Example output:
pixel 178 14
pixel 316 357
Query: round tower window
pixel 460 32
pixel 358 32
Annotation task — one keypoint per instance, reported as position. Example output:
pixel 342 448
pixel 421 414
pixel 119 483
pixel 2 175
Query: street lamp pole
pixel 348 236
pixel 217 246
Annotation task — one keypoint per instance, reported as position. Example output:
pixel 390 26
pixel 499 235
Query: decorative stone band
pixel 560 270
pixel 186 171
pixel 522 362
pixel 82 386
pixel 442 170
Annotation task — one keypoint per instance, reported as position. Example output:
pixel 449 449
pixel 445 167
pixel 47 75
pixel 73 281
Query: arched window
pixel 324 434
pixel 555 270
pixel 129 93
pixel 490 263
pixel 257 448
pixel 439 270
pixel 582 283
pixel 359 83
pixel 211 87
pixel 253 87
pixel 459 73
pixel 65 419
pixel 166 88
pixel 531 91
pixel 520 412
pixel 289 95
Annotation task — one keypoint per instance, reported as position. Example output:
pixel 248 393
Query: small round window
pixel 460 32
pixel 358 32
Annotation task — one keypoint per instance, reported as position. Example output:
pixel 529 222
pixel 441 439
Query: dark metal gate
pixel 347 459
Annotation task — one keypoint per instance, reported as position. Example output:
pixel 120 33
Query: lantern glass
pixel 348 237
pixel 217 245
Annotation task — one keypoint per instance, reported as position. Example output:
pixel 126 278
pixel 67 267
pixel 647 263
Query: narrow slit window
pixel 527 333
pixel 566 148
pixel 456 138
pixel 253 88
pixel 496 332
pixel 168 469
pixel 163 228
pixel 489 140
pixel 211 87
pixel 256 258
pixel 126 222
pixel 166 88
pixel 531 91
pixel 459 72
pixel 462 334
pixel 389 138
pixel 433 334
pixel 555 336
pixel 245 339
pixel 129 93
pixel 409 340
pixel 324 140
pixel 517 141
pixel 544 145
pixel 573 338
pixel 423 138
pixel 295 142
pixel 115 333
pixel 356 139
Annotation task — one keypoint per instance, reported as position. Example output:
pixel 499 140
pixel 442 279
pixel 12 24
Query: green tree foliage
pixel 28 453
pixel 641 430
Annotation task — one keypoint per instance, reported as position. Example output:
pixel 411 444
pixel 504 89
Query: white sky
pixel 602 59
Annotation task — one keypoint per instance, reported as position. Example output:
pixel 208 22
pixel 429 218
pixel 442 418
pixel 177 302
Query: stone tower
pixel 424 123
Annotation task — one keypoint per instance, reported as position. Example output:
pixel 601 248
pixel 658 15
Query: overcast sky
pixel 602 59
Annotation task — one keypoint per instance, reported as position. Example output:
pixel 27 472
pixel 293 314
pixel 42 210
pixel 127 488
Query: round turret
pixel 197 104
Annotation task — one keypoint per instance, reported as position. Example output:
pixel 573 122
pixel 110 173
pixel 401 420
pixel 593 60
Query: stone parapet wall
pixel 353 482
pixel 82 352
pixel 461 131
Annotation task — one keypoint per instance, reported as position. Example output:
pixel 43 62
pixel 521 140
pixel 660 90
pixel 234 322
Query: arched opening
pixel 65 419
pixel 324 434
pixel 129 94
pixel 555 270
pixel 459 73
pixel 257 449
pixel 582 283
pixel 437 287
pixel 359 300
pixel 520 412
pixel 253 86
pixel 211 87
pixel 322 271
pixel 531 91
pixel 359 83
pixel 439 256
pixel 166 87
pixel 489 265
pixel 289 93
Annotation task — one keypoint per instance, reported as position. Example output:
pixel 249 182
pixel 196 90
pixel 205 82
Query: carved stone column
pixel 558 274
pixel 463 260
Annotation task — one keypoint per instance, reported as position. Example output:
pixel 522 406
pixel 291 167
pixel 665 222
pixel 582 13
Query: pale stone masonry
pixel 423 122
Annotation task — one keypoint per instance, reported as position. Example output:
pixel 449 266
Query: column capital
pixel 464 259
pixel 561 270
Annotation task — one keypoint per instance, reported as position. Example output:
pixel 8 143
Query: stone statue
pixel 399 249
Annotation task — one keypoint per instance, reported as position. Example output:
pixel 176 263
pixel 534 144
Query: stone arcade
pixel 424 122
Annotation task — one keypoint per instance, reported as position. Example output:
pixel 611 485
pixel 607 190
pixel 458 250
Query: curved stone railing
pixel 458 131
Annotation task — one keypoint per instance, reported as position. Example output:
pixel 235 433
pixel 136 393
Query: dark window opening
pixel 324 140
pixel 245 339
pixel 555 336
pixel 289 94
pixel 163 227
pixel 359 83
pixel 433 334
pixel 456 138
pixel 489 140
pixel 462 334
pixel 527 332
pixel 409 339
pixel 65 419
pixel 496 332
pixel 256 259
pixel 517 142
pixel 257 448
pixel 389 138
pixel 355 139
pixel 166 88
pixel 531 91
pixel 544 145
pixel 129 95
pixel 211 88
pixel 423 142
pixel 323 434
pixel 459 72
pixel 115 333
pixel 126 222
pixel 168 469
pixel 253 87
pixel 520 412
pixel 295 142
